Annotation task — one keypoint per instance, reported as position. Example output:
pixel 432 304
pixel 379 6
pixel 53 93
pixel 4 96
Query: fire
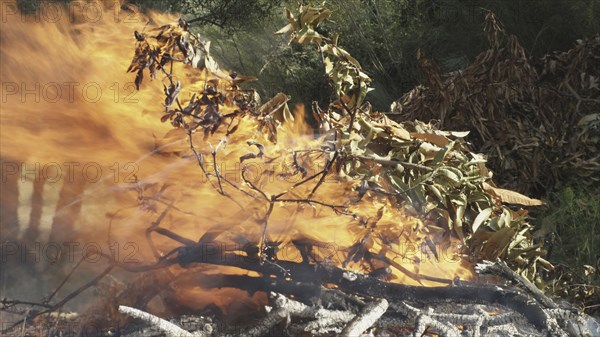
pixel 68 99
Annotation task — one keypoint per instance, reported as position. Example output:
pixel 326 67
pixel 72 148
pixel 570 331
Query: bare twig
pixel 7 304
pixel 153 227
pixel 502 269
pixel 64 281
pixel 324 174
pixel 213 152
pixel 351 112
pixel 168 328
pixel 312 201
pixel 367 317
pixel 396 163
pixel 297 309
pixel 58 305
pixel 237 187
pixel 251 184
pixel 263 240
pixel 424 321
pixel 198 156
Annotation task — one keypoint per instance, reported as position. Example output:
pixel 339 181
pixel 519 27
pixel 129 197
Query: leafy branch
pixel 417 168
pixel 412 163
pixel 350 84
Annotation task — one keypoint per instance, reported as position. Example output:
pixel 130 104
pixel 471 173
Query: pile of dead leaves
pixel 538 126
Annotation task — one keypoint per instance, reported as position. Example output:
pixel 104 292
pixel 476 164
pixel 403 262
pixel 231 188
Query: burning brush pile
pixel 250 223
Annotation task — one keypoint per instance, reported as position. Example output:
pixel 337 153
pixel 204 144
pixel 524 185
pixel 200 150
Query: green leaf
pixel 433 188
pixel 481 218
pixel 441 155
pixel 454 175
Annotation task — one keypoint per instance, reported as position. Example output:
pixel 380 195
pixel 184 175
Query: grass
pixel 571 224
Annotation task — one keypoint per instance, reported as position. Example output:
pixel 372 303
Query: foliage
pixel 538 128
pixel 429 171
pixel 574 212
pixel 169 44
pixel 570 221
pixel 228 15
pixel 231 15
pixel 293 69
pixel 384 35
pixel 350 84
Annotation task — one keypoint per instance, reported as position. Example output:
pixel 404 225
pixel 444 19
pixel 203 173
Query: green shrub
pixel 571 224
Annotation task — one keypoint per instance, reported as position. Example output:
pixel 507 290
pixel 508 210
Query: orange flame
pixel 68 99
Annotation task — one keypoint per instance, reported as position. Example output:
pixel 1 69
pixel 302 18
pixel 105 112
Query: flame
pixel 67 98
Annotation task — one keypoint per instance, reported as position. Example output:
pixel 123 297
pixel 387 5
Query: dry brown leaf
pixel 278 108
pixel 432 138
pixel 512 197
